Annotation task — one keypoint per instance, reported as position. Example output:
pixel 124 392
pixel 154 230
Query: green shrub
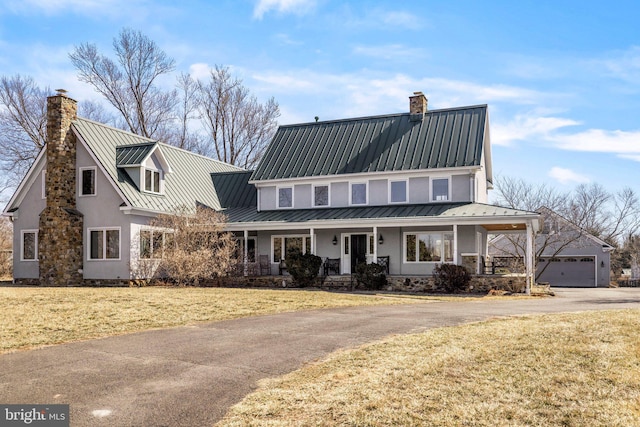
pixel 451 277
pixel 303 268
pixel 371 276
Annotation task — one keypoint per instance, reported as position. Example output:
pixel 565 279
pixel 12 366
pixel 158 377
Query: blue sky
pixel 562 78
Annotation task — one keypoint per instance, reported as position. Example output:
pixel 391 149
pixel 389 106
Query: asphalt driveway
pixel 190 376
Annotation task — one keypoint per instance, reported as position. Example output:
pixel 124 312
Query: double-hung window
pixel 104 243
pixel 29 250
pixel 88 181
pixel 428 247
pixel 440 189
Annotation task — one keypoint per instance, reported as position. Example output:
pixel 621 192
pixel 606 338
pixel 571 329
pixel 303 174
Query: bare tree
pixel 238 126
pixel 129 83
pixel 569 217
pixel 23 124
pixel 187 248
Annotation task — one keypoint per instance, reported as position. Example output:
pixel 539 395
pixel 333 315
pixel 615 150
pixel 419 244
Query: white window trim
pixel 283 247
pixel 143 180
pixel 417 261
pixel 44 183
pixel 22 233
pixel 431 195
pixel 366 193
pixel 278 197
pixel 313 195
pixel 163 231
pixel 104 243
pixel 406 193
pixel 95 181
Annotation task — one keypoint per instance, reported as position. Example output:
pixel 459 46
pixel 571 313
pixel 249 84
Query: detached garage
pixel 566 254
pixel 568 271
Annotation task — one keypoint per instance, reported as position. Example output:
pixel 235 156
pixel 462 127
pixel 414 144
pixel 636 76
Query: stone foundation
pixel 426 284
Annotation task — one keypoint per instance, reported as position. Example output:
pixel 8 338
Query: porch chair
pixel 384 262
pixel 265 265
pixel 331 264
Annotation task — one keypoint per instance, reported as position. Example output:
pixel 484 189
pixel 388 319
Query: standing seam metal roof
pixel 444 138
pixel 188 184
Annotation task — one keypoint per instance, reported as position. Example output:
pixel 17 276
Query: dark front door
pixel 358 250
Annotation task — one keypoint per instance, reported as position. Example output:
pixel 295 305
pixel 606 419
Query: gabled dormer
pixel 146 165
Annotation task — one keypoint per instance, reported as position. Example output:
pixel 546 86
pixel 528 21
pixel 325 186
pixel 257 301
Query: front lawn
pixel 32 317
pixel 554 370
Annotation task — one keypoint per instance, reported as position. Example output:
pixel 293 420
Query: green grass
pixel 554 370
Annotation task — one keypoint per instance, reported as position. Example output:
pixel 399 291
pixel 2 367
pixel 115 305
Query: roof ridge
pixel 116 129
pixel 379 116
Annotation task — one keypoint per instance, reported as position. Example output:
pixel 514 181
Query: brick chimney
pixel 417 106
pixel 60 233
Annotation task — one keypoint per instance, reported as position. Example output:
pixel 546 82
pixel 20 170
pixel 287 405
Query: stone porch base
pixel 479 284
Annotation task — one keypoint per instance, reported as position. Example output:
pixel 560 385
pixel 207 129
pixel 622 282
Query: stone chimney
pixel 60 234
pixel 417 106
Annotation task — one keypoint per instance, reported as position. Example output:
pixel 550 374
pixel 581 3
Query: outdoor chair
pixel 384 262
pixel 331 265
pixel 265 265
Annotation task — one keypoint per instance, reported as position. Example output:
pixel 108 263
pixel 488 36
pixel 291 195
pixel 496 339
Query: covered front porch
pixel 409 240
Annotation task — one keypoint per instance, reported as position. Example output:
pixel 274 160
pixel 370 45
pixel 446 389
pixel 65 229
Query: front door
pixel 358 250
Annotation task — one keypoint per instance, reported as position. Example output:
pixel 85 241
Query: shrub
pixel 451 277
pixel 303 268
pixel 371 276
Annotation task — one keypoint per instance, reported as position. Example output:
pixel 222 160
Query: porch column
pixel 455 244
pixel 375 244
pixel 313 241
pixel 529 258
pixel 245 255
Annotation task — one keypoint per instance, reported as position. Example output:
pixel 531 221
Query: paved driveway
pixel 190 376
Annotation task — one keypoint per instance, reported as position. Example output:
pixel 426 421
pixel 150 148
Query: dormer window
pixel 285 197
pixel 152 181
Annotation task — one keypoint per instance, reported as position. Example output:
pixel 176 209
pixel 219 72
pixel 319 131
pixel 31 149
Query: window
pixel 104 243
pixel 152 181
pixel 154 244
pixel 282 244
pixel 29 250
pixel 87 181
pixel 251 249
pixel 44 184
pixel 321 195
pixel 429 247
pixel 398 191
pixel 440 189
pixel 359 194
pixel 285 197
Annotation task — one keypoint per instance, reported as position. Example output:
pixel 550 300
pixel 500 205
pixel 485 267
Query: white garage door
pixel 568 271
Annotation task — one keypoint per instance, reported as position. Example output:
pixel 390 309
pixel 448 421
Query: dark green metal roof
pixel 443 138
pixel 432 210
pixel 234 190
pixel 133 155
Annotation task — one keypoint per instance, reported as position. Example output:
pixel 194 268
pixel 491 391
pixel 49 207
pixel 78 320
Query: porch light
pixel 380 240
pixel 335 240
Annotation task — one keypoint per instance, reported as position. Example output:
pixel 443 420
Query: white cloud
pixel 566 176
pixel 526 127
pixel 601 141
pixel 624 65
pixel 298 7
